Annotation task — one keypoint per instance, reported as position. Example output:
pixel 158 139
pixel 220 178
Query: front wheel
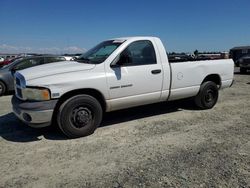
pixel 2 88
pixel 79 116
pixel 207 96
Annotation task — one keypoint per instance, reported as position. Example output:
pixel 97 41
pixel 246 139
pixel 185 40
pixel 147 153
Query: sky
pixel 73 26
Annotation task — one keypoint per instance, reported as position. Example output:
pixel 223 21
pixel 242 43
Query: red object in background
pixel 8 61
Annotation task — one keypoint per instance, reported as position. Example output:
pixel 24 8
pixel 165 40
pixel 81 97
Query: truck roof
pixel 135 38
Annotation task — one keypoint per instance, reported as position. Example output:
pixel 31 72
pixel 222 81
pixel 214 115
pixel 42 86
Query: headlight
pixel 37 94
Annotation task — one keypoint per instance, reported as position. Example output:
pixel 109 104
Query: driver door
pixel 136 79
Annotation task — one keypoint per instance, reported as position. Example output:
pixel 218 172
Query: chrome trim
pixel 21 79
pixel 22 85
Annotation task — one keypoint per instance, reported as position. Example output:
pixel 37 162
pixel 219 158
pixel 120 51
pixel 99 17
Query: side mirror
pixel 121 59
pixel 13 69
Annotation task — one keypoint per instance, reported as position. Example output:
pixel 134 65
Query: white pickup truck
pixel 116 74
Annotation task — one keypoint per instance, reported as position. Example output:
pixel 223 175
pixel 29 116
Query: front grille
pixel 20 85
pixel 18 82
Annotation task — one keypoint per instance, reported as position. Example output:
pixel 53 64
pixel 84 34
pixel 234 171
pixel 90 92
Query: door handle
pixel 157 71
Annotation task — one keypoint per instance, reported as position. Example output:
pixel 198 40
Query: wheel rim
pixel 81 117
pixel 210 96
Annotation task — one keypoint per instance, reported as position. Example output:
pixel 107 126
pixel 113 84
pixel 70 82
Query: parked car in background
pixel 1 59
pixel 244 63
pixel 8 61
pixel 68 58
pixel 7 72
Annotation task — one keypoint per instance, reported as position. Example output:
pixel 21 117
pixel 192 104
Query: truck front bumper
pixel 35 114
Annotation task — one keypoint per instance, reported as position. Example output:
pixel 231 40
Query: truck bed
pixel 187 76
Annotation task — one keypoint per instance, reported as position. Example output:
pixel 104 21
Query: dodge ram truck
pixel 116 74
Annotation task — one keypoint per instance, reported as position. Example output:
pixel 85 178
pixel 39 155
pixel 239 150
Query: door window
pixel 138 53
pixel 244 51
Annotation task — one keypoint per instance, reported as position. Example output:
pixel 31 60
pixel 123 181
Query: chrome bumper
pixel 35 114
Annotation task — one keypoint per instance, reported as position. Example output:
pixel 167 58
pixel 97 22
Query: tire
pixel 207 96
pixel 243 70
pixel 2 88
pixel 79 116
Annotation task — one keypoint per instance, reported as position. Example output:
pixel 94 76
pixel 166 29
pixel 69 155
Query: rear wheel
pixel 207 96
pixel 243 70
pixel 79 116
pixel 2 88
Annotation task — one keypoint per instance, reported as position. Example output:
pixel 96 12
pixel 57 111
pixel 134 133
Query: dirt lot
pixel 163 145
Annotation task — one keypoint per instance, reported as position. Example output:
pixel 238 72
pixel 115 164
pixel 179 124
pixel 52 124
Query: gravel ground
pixel 162 145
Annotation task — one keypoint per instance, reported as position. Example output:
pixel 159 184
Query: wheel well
pixel 92 92
pixel 214 78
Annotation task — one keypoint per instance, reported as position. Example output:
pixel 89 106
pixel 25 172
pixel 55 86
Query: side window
pixel 29 63
pixel 139 53
pixel 244 51
pixel 54 59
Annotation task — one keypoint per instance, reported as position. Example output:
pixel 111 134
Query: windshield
pixel 100 53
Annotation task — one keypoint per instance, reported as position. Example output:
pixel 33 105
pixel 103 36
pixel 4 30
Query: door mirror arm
pixel 13 69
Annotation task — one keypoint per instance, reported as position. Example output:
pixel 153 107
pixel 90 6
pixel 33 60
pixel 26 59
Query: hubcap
pixel 81 117
pixel 209 97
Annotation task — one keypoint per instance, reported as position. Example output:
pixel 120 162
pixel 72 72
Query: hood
pixel 55 68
